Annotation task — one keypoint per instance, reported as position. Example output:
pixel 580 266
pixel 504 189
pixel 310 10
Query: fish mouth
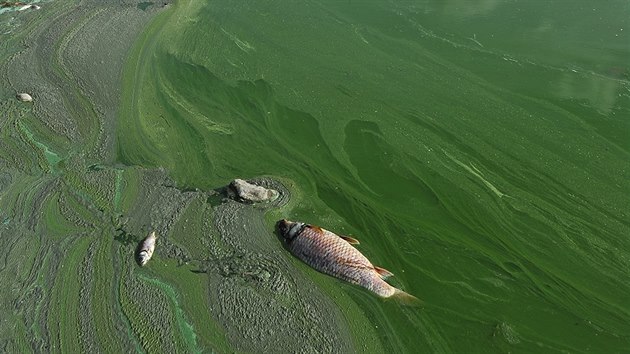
pixel 289 230
pixel 283 226
pixel 142 258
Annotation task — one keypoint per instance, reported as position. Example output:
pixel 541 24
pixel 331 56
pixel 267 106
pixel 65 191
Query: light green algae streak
pixel 52 158
pixel 187 330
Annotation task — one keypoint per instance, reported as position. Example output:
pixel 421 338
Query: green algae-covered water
pixel 479 150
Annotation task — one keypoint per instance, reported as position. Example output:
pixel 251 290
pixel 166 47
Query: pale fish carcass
pixel 334 255
pixel 24 97
pixel 145 249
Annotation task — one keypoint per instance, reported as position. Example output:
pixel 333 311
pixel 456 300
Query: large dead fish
pixel 145 249
pixel 334 255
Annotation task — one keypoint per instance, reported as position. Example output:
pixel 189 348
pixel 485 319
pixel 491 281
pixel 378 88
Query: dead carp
pixel 334 255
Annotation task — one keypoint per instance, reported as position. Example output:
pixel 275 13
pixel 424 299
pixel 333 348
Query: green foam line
pixel 187 330
pixel 52 158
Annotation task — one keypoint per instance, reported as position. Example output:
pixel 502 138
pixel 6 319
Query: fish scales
pixel 330 254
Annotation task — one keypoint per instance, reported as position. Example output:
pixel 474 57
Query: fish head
pixel 289 229
pixel 143 258
pixel 283 226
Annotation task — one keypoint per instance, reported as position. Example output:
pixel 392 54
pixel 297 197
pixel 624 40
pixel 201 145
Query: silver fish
pixel 334 255
pixel 146 248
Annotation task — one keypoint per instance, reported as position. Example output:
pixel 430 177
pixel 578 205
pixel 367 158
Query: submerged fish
pixel 146 248
pixel 334 255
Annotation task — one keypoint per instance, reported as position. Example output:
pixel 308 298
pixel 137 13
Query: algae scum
pixel 479 150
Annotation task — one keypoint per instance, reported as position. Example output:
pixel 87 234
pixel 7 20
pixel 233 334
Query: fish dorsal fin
pixel 350 240
pixel 384 273
pixel 317 229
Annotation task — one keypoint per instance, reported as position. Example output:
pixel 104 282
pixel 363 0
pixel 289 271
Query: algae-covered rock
pixel 245 191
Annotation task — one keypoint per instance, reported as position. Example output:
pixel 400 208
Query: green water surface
pixel 478 149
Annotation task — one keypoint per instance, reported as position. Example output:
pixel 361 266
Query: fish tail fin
pixel 406 299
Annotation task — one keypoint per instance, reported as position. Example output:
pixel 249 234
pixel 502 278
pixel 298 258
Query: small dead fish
pixel 145 249
pixel 334 255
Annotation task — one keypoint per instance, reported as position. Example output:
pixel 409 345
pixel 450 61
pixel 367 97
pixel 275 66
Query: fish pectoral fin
pixel 350 240
pixel 384 273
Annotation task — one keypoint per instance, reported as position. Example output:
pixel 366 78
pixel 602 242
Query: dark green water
pixel 480 150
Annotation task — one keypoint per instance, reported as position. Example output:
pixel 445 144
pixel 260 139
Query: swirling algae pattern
pixel 484 162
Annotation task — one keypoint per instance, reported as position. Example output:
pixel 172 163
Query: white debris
pixel 29 7
pixel 24 97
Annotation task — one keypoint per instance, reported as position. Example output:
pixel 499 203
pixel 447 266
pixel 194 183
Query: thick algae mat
pixel 477 149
